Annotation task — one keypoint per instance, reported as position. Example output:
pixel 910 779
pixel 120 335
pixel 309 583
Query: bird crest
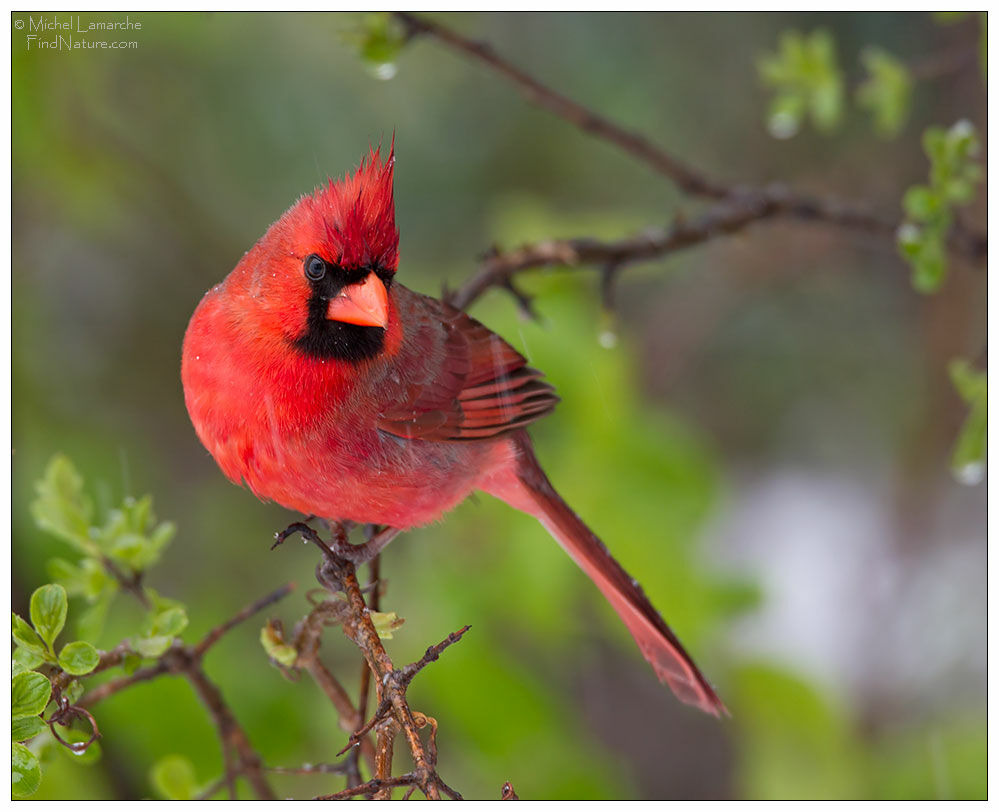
pixel 355 216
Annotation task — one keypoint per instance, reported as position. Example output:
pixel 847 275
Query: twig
pixel 384 753
pixel 130 583
pixel 338 574
pixel 432 654
pixel 231 734
pixel 306 642
pixel 216 634
pixel 369 787
pixel 186 661
pixel 496 269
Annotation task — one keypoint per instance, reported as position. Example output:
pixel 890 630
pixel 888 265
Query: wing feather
pixel 480 387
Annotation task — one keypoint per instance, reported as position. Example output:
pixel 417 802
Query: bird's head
pixel 321 275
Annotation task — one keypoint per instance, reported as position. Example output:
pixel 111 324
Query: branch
pixel 130 583
pixel 370 787
pixel 219 631
pixel 498 269
pixel 842 213
pixel 186 661
pixel 337 574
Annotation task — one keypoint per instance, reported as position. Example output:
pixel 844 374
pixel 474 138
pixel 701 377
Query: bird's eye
pixel 315 267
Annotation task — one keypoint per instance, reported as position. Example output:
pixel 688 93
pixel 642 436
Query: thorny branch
pixel 738 205
pixel 393 713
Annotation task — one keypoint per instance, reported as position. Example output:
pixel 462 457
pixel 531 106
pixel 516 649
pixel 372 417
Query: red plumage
pixel 326 386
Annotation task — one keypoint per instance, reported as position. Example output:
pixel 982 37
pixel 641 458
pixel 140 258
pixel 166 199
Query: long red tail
pixel 531 492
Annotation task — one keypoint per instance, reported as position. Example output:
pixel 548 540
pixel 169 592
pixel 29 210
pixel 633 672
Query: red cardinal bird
pixel 314 377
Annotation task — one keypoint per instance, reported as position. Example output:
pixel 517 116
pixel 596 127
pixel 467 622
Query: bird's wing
pixel 472 383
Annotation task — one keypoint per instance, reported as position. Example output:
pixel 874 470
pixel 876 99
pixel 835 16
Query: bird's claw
pixel 339 546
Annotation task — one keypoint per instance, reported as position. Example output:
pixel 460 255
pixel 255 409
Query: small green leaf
pixel 26 637
pixel 24 660
pixel 73 691
pixel 386 623
pixel 174 778
pixel 970 384
pixel 26 728
pixel 152 646
pixel 25 771
pixel 920 203
pixel 29 694
pixel 806 77
pixel 887 92
pixel 78 658
pixel 48 611
pixel 379 43
pixel 953 176
pixel 87 580
pixel 275 646
pixel 61 507
pixel 968 459
pixel 930 266
pixel 170 622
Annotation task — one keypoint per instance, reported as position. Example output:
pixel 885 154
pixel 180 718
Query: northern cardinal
pixel 314 377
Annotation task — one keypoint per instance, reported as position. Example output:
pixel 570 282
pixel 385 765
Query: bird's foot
pixel 339 546
pixel 378 539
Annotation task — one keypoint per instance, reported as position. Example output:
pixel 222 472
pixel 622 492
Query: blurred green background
pixel 765 447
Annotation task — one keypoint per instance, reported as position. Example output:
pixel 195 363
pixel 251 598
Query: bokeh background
pixel 765 447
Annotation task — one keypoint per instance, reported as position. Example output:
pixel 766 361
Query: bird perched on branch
pixel 317 379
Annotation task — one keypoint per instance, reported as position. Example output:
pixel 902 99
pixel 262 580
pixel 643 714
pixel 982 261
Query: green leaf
pixel 929 268
pixel 61 507
pixel 379 43
pixel 24 660
pixel 170 622
pixel 806 77
pixel 386 623
pixel 88 580
pixel 78 658
pixel 25 771
pixel 26 728
pixel 49 606
pixel 29 694
pixel 152 646
pixel 970 384
pixel 174 778
pixel 953 176
pixel 73 691
pixel 968 459
pixel 275 646
pixel 887 92
pixel 920 203
pixel 26 637
pixel 129 535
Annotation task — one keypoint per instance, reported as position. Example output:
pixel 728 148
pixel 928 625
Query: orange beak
pixel 365 303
